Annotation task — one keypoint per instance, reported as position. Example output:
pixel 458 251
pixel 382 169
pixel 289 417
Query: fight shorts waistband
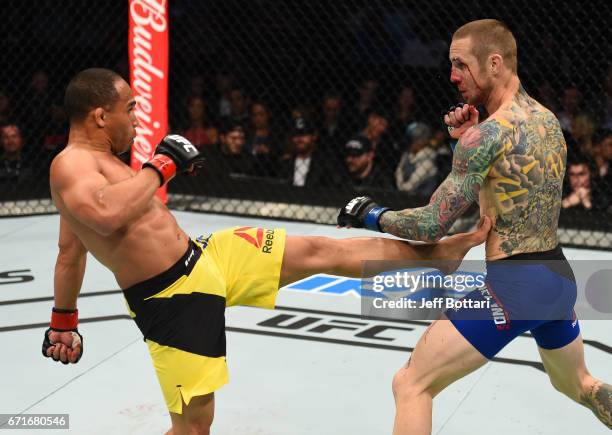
pixel 152 286
pixel 554 259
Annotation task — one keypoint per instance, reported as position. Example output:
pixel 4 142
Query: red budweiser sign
pixel 148 53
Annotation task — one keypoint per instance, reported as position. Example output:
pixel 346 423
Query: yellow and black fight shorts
pixel 181 312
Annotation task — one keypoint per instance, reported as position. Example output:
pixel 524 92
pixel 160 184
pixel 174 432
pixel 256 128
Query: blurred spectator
pixel 582 129
pixel 197 86
pixel 361 166
pixel 333 131
pixel 547 96
pixel 229 157
pixel 417 171
pixel 55 136
pixel 386 151
pixel 368 94
pixel 224 82
pixel 6 112
pixel 199 130
pixel 35 114
pixel 582 193
pixel 261 139
pixel 403 115
pixel 607 101
pixel 404 110
pixel 238 107
pixel 604 162
pixel 571 105
pixel 306 167
pixel 12 163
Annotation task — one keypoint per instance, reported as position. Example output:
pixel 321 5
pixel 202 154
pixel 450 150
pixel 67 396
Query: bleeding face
pixel 471 80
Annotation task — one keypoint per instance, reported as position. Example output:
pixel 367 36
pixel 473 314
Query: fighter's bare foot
pixel 451 250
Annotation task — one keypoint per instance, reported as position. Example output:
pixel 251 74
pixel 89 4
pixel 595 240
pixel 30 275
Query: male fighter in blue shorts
pixel 513 163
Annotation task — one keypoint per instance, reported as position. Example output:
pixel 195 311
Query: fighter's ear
pixel 495 63
pixel 99 117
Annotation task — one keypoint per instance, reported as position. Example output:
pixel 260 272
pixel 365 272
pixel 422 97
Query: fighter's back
pixel 523 187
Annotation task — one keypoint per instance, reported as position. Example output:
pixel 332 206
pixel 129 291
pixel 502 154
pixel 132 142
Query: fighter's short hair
pixel 89 89
pixel 490 36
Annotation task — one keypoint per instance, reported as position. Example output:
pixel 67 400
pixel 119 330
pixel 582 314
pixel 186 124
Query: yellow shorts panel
pixel 183 323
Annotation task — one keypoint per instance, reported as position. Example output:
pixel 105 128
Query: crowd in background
pixel 361 138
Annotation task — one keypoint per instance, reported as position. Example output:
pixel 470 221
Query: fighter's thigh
pixel 441 356
pixel 566 367
pixel 196 418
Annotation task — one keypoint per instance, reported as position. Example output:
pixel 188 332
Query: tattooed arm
pixel 476 151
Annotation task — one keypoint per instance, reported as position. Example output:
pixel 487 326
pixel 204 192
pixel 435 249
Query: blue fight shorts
pixel 525 292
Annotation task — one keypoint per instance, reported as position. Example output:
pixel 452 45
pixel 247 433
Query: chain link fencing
pixel 300 106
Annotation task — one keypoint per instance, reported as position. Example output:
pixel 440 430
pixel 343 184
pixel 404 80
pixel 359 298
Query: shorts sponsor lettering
pixel 267 247
pixel 497 312
pixel 257 237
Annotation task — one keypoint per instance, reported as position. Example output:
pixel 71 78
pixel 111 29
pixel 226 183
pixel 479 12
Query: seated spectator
pixel 417 171
pixel 55 136
pixel 386 151
pixel 260 137
pixel 603 151
pixel 606 101
pixel 582 193
pixel 403 113
pixel 333 129
pixel 13 165
pixel 199 131
pixel 367 99
pixel 239 104
pixel 306 167
pixel 571 106
pixel 363 170
pixel 224 82
pixel 229 157
pixel 603 160
pixel 582 130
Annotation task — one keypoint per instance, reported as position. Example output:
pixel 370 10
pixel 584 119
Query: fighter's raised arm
pixel 477 149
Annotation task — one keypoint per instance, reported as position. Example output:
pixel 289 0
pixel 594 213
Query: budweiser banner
pixel 148 54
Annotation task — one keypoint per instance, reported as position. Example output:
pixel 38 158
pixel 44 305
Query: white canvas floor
pixel 283 381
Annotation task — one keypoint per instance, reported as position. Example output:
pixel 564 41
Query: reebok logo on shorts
pixel 258 237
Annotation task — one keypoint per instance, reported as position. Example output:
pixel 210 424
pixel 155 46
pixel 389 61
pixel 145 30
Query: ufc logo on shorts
pixel 187 146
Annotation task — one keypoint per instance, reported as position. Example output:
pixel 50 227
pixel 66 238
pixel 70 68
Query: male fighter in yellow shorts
pixel 176 288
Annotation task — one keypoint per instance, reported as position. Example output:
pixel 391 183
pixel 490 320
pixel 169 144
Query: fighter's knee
pixel 572 388
pixel 198 427
pixel 406 386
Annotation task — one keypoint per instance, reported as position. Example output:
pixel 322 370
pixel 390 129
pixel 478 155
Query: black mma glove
pixel 361 212
pixel 64 322
pixel 173 155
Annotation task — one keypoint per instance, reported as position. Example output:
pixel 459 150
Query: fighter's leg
pixel 305 256
pixel 568 374
pixel 441 356
pixel 196 418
